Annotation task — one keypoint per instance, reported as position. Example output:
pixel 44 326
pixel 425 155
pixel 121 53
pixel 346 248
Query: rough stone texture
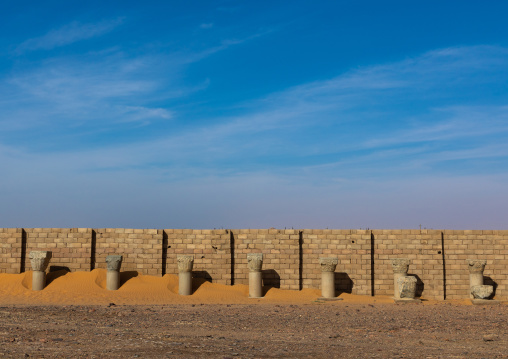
pixel 352 247
pixel 211 249
pixel 281 256
pixel 40 260
pixel 255 261
pixel 185 263
pixel 407 287
pixel 114 262
pixel 482 291
pixel 10 250
pixel 70 247
pixel 476 265
pixel 141 249
pixel 328 264
pixel 438 257
pixel 400 265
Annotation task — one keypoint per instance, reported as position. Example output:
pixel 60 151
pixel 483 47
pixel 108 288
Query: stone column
pixel 328 266
pixel 255 263
pixel 407 287
pixel 113 277
pixel 185 264
pixel 39 261
pixel 400 268
pixel 476 268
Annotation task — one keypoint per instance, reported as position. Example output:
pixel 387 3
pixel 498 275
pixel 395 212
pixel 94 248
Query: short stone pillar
pixel 255 263
pixel 39 261
pixel 114 263
pixel 482 291
pixel 407 287
pixel 476 268
pixel 185 264
pixel 328 266
pixel 400 267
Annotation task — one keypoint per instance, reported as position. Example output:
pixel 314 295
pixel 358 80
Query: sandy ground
pixel 74 316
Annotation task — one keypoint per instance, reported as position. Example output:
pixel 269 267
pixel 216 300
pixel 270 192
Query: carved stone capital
pixel 407 287
pixel 39 260
pixel 328 264
pixel 185 263
pixel 255 261
pixel 476 265
pixel 482 291
pixel 400 265
pixel 114 262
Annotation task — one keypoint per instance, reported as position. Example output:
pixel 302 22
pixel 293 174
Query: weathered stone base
pixel 485 302
pixel 323 299
pixel 407 301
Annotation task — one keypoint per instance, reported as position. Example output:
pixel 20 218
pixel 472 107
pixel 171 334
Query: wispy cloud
pixel 68 34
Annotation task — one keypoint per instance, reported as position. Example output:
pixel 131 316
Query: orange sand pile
pixel 88 288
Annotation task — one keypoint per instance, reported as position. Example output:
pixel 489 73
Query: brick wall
pixel 210 247
pixel 141 249
pixel 70 247
pixel 424 250
pixel 291 257
pixel 489 245
pixel 281 256
pixel 10 250
pixel 351 247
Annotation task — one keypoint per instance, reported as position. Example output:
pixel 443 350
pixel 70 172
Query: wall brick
pixel 211 250
pixel 70 247
pixel 281 256
pixel 142 249
pixel 10 250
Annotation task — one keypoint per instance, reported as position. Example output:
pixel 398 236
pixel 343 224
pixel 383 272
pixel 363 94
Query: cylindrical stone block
pixel 39 261
pixel 328 266
pixel 255 264
pixel 38 280
pixel 255 285
pixel 185 264
pixel 400 268
pixel 328 284
pixel 407 287
pixel 112 280
pixel 114 262
pixel 476 268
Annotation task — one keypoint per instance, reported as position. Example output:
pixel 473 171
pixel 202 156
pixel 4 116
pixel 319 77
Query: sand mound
pixel 89 288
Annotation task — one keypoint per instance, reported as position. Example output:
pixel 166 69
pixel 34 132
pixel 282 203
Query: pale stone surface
pixel 185 263
pixel 328 264
pixel 328 284
pixel 482 291
pixel 114 262
pixel 476 265
pixel 185 283
pixel 255 261
pixel 407 287
pixel 400 265
pixel 255 284
pixel 476 268
pixel 40 260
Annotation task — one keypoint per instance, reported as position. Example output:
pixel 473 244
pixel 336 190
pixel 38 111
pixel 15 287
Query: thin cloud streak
pixel 68 34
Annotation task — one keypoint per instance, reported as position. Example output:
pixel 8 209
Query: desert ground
pixel 75 317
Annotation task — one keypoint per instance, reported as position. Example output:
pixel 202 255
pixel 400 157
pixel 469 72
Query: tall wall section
pixel 291 257
pixel 351 247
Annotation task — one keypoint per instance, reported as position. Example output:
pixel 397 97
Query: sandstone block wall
pixel 141 249
pixel 70 247
pixel 479 244
pixel 291 257
pixel 211 250
pixel 422 247
pixel 351 247
pixel 281 256
pixel 10 250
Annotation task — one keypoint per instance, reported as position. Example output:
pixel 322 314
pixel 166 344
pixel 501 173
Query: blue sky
pixel 241 114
